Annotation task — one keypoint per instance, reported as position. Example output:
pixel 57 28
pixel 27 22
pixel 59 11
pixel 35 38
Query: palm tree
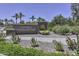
pixel 16 16
pixel 33 17
pixel 20 16
pixel 40 19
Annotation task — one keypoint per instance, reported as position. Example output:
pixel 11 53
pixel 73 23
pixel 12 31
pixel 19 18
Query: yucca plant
pixel 15 39
pixel 58 46
pixel 71 43
pixel 34 43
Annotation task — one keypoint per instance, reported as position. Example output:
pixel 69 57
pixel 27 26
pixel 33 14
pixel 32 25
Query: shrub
pixel 55 28
pixel 75 29
pixel 42 27
pixel 58 46
pixel 50 28
pixel 62 29
pixel 44 32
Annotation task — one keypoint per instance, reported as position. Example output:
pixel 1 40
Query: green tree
pixel 59 19
pixel 16 16
pixel 70 21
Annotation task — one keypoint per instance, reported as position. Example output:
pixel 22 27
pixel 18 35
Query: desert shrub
pixel 62 29
pixel 34 43
pixel 44 32
pixel 71 43
pixel 58 46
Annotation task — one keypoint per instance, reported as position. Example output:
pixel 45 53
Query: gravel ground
pixel 45 46
pixel 44 41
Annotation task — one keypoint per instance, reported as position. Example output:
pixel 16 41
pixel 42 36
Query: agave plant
pixel 34 43
pixel 58 46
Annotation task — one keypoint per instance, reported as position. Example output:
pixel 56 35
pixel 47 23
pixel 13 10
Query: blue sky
pixel 47 11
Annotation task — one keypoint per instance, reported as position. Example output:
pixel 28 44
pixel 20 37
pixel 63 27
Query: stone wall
pixel 26 29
